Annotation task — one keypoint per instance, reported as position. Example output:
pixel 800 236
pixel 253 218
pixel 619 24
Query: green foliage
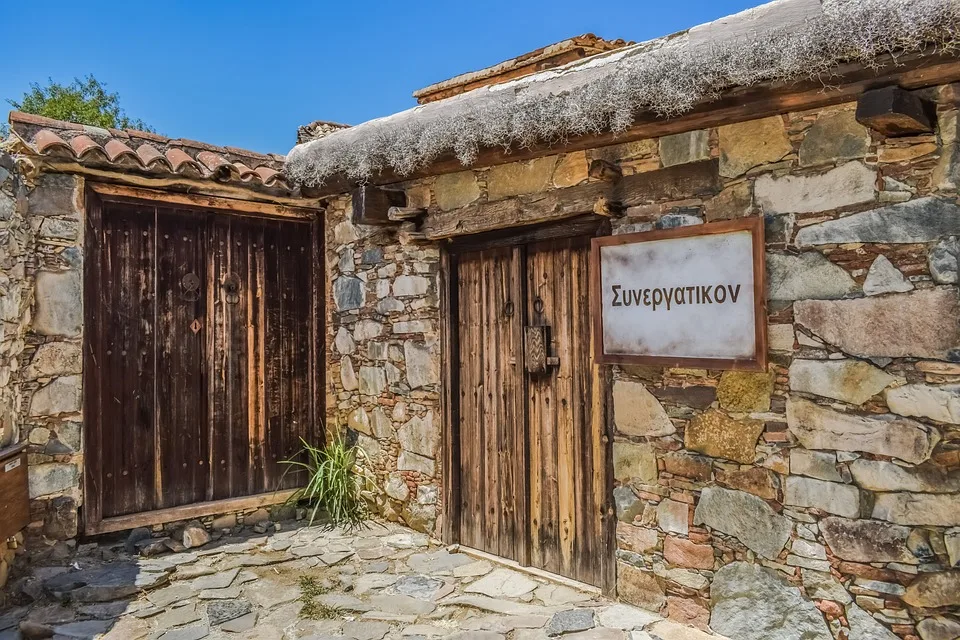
pixel 336 479
pixel 85 101
pixel 310 588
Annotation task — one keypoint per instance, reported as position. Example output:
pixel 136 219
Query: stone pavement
pixel 309 583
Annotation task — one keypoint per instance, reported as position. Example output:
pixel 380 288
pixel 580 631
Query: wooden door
pixel 200 356
pixel 530 457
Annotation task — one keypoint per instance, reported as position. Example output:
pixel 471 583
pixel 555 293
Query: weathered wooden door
pixel 200 356
pixel 530 456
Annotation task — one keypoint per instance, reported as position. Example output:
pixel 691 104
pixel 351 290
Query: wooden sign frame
pixel 756 363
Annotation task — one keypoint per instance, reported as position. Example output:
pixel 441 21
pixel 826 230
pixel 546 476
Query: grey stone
pixel 437 562
pixel 625 617
pixel 348 293
pixel 427 494
pixel 409 461
pixel 419 436
pixel 943 259
pixel 818 427
pixel 883 476
pixel 403 605
pixel 938 510
pixel 937 403
pixel 637 412
pixel 673 516
pixel 373 381
pixel 83 629
pixel 951 540
pixel 405 286
pixel 634 461
pixel 51 478
pixel 863 626
pixel 59 303
pixel 422 362
pixel 389 305
pixel 755 603
pixel 867 540
pixel 814 464
pixel 348 375
pixel 420 517
pixel 56 194
pixel 240 624
pixel 502 583
pixel 627 503
pixel 570 621
pixel 808 276
pixel 821 585
pixel 344 342
pixel 745 517
pixel 54 359
pixel 194 535
pixel 686 147
pixel 558 595
pixel 832 497
pixel 345 232
pixel 381 425
pixel 105 583
pixel 225 610
pixel 62 395
pixel 852 381
pixel 195 632
pixel 178 616
pixel 396 487
pixel 367 330
pixel 677 220
pixel 834 137
pixel 923 220
pixel 416 586
pixel 849 184
pixel 883 277
pixel 220 580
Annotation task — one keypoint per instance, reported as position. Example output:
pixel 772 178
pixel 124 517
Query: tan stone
pixel 636 539
pixel 867 540
pixel 518 178
pixel 848 184
pixel 720 436
pixel 733 202
pixel 918 509
pixel 688 611
pixel 933 590
pixel 746 145
pixel 905 154
pixel 852 381
pixel 682 148
pixel 571 171
pixel 633 461
pixel 684 553
pixel 625 151
pixel 454 190
pixel 918 324
pixel 418 197
pixel 670 630
pixel 639 587
pixel 834 137
pixel 682 464
pixel 756 480
pixel 636 412
pixel 743 391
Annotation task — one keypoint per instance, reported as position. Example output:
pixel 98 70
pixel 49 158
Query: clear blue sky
pixel 246 73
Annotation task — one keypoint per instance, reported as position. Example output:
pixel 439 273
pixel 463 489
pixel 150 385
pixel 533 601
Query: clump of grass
pixel 336 478
pixel 310 588
pixel 314 610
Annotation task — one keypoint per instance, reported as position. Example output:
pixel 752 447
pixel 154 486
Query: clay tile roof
pixel 148 153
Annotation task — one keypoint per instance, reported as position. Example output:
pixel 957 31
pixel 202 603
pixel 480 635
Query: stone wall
pixel 829 485
pixel 41 222
pixel 383 354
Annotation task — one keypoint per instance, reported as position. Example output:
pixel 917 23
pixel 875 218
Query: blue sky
pixel 246 73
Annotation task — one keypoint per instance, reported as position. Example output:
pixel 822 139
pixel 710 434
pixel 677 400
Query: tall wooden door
pixel 200 356
pixel 532 455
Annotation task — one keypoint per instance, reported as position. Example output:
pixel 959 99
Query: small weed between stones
pixel 310 588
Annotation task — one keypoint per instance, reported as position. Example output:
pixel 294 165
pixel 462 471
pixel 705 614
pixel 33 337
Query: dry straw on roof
pixel 784 40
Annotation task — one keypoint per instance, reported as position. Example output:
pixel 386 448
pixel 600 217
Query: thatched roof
pixel 782 40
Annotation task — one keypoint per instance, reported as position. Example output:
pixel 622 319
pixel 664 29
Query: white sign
pixel 691 296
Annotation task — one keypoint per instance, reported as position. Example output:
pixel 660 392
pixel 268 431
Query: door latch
pixel 535 341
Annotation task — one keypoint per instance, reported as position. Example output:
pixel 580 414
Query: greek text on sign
pixel 691 296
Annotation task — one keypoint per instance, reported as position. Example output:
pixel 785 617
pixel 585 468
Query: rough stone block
pixel 847 185
pixel 852 381
pixel 923 220
pixel 832 497
pixel 59 304
pixel 744 391
pixel 834 137
pixel 918 324
pixel 717 435
pixel 348 293
pixel 883 277
pixel 520 178
pixel 408 461
pixel 756 480
pixel 924 401
pixel 937 510
pixel 867 540
pixel 745 517
pixel 943 261
pixel 62 395
pixel 636 412
pixel 746 145
pixel 455 190
pixel 422 363
pixel 572 170
pixel 818 427
pixel 934 590
pixel 673 516
pixel 808 276
pixel 420 436
pixel 633 461
pixel 54 359
pixel 682 148
pixel 814 464
pixel 639 587
pixel 57 194
pixel 684 553
pixel 54 477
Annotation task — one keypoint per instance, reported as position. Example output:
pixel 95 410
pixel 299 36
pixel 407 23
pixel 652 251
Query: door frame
pixel 602 417
pixel 95 196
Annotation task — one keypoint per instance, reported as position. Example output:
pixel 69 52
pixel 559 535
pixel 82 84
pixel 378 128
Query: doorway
pixel 200 358
pixel 528 445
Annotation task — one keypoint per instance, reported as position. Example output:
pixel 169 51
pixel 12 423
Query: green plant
pixel 314 610
pixel 336 478
pixel 310 588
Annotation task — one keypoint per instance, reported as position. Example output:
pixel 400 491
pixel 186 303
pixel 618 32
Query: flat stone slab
pixel 240 624
pixel 220 580
pixel 102 584
pixel 571 621
pixel 225 610
pixel 420 587
pixel 503 583
pixel 195 632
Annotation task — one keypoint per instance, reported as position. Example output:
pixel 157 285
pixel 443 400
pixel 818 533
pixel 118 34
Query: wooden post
pixel 895 112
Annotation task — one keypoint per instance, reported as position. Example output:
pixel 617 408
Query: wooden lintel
pixel 846 84
pixel 895 112
pixel 241 207
pixel 372 204
pixel 188 512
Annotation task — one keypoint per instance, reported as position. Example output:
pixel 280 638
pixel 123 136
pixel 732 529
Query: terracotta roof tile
pixel 149 153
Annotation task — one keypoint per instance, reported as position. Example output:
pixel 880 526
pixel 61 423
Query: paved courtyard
pixel 309 583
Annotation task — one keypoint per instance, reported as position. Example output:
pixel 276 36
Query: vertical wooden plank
pixel 534 422
pixel 95 280
pixel 273 379
pixel 520 431
pixel 218 357
pixel 561 386
pixel 450 396
pixel 180 399
pixel 237 339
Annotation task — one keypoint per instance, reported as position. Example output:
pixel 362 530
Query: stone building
pixel 817 499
